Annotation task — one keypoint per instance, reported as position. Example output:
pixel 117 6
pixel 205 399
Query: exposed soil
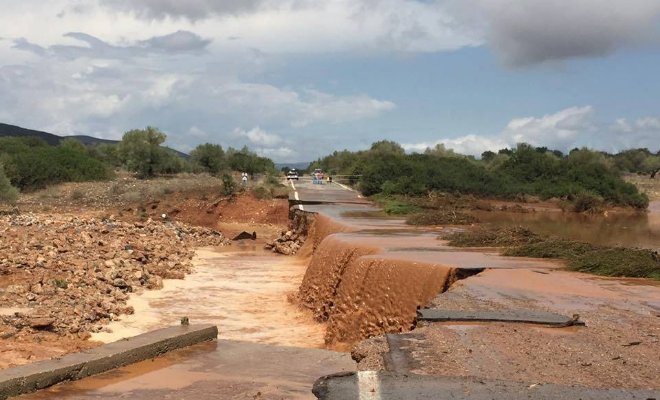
pixel 73 254
pixel 66 276
pixel 617 348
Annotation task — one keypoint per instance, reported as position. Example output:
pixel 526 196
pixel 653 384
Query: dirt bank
pixel 68 267
pixel 65 276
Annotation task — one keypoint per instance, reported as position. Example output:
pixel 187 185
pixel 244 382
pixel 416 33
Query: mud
pixel 613 229
pixel 360 289
pixel 379 296
pixel 242 289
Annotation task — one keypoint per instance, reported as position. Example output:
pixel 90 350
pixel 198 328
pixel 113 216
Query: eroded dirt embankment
pixel 360 289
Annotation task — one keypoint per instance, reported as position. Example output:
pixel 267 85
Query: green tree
pixel 209 158
pixel 140 151
pixel 652 165
pixel 386 147
pixel 244 160
pixel 441 151
pixel 107 153
pixel 73 145
pixel 8 193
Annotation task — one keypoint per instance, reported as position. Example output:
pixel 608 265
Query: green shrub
pixel 262 193
pixel 587 202
pixel 33 165
pixel 228 185
pixel 77 195
pixel 394 205
pixel 513 173
pixel 8 193
pixel 441 217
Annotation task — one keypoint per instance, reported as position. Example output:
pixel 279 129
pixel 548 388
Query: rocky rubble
pixel 291 241
pixel 71 275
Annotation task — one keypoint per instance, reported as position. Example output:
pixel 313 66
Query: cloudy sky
pixel 296 79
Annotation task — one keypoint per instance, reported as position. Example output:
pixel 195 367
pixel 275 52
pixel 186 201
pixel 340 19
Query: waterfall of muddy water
pixel 366 278
pixel 243 292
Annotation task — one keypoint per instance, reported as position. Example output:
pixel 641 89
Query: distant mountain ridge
pixel 50 138
pixel 296 165
pixel 54 140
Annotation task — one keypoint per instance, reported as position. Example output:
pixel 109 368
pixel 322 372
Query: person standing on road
pixel 244 178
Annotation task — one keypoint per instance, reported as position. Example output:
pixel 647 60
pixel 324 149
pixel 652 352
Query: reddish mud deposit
pixel 359 288
pixel 364 281
pixel 619 346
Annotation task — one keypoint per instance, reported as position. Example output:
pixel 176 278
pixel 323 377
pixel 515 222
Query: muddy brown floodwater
pixel 616 229
pixel 241 289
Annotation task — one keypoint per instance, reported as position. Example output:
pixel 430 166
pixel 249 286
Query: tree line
pixel 29 163
pixel 582 175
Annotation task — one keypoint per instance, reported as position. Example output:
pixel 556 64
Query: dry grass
pixel 646 185
pixel 124 190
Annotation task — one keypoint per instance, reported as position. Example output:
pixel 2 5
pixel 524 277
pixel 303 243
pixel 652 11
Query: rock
pixel 120 283
pixel 41 322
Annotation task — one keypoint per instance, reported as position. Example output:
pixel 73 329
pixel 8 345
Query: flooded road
pixel 615 229
pixel 242 290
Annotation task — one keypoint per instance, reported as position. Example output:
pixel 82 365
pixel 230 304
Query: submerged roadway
pixel 229 369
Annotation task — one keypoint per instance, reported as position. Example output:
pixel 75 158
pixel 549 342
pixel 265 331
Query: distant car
pixel 293 174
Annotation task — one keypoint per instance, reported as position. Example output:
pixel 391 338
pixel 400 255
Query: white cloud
pixel 468 144
pixel 558 130
pixel 259 137
pixel 268 144
pixel 563 130
pixel 298 108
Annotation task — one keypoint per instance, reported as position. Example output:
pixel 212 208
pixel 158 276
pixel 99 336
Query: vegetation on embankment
pixel 29 163
pixel 579 256
pixel 433 209
pixel 583 176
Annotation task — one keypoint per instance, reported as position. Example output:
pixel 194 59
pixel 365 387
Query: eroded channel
pixel 242 290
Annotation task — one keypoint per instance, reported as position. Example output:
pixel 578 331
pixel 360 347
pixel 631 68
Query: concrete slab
pixel 390 386
pixel 523 316
pixel 222 369
pixel 40 375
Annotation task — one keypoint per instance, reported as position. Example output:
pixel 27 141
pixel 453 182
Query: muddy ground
pixel 73 254
pixel 618 347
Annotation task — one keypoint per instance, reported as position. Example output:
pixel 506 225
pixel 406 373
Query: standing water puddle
pixel 616 229
pixel 244 293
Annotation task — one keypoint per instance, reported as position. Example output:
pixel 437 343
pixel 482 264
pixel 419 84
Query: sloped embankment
pixel 361 290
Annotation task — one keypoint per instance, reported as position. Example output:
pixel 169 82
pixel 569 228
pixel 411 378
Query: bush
pixel 8 193
pixel 262 193
pixel 441 217
pixel 228 185
pixel 587 202
pixel 522 171
pixel 31 165
pixel 77 195
pixel 209 158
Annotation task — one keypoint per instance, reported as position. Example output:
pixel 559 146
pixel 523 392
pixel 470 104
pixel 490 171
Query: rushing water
pixel 244 293
pixel 615 229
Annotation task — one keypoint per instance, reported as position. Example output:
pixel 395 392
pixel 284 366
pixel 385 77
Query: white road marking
pixel 296 196
pixel 368 385
pixel 344 186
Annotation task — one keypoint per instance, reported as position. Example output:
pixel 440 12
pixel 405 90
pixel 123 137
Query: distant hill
pixel 51 139
pixel 296 165
pixel 54 140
